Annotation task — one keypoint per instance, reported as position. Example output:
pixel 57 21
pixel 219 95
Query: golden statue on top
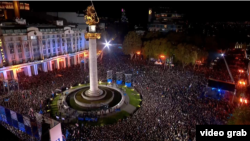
pixel 91 17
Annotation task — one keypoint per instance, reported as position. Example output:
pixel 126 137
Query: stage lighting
pixel 222 54
pixel 107 44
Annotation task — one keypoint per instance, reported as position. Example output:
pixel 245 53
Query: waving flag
pixel 64 138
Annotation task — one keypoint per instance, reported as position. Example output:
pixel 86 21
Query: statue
pixel 91 16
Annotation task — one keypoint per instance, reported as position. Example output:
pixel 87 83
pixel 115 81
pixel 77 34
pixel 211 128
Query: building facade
pixel 164 19
pixel 29 50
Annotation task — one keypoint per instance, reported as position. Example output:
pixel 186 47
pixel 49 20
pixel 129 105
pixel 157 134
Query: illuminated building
pixel 28 50
pixel 164 19
pixel 9 7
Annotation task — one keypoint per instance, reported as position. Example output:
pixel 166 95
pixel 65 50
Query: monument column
pixel 93 65
pixel 92 36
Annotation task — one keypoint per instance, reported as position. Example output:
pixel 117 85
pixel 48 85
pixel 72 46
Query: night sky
pixel 137 12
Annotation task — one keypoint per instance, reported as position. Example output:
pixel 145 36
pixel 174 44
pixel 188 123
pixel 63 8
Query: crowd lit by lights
pixel 242 83
pixel 243 100
pixel 241 71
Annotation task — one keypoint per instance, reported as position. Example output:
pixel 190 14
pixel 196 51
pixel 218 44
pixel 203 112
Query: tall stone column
pixel 75 60
pixel 35 69
pixel 50 66
pixel 5 75
pixel 45 67
pixel 29 71
pixel 79 59
pixel 58 64
pixel 93 66
pixel 68 61
pixel 64 63
pixel 14 74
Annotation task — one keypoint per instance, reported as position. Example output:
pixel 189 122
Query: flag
pixel 63 137
pixel 67 133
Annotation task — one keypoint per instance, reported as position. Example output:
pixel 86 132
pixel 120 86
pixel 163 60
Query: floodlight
pixel 107 44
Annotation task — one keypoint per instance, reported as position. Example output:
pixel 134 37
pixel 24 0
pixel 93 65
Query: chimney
pixel 16 9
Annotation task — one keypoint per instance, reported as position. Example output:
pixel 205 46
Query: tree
pixel 150 35
pixel 186 54
pixel 132 43
pixel 240 116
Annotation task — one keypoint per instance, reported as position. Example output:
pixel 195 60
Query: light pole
pixel 227 68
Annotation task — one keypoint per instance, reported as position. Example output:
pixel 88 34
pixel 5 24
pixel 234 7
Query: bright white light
pixel 222 54
pixel 107 44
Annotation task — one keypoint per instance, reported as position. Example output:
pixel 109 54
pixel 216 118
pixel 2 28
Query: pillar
pixel 16 9
pixel 5 75
pixel 79 60
pixel 68 61
pixel 35 69
pixel 28 71
pixel 64 62
pixel 93 65
pixel 45 67
pixel 50 66
pixel 75 60
pixel 5 14
pixel 58 64
pixel 14 74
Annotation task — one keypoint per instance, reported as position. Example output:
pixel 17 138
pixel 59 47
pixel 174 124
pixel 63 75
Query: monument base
pixel 96 95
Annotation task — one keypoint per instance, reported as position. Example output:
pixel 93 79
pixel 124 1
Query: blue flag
pixel 67 133
pixel 40 112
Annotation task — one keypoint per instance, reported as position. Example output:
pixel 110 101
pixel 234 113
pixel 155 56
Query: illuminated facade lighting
pixel 30 47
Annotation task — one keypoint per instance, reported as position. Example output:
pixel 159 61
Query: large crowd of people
pixel 172 101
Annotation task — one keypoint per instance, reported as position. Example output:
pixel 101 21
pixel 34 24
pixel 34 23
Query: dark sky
pixel 137 12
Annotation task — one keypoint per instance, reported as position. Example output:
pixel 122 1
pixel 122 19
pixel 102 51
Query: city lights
pixel 243 100
pixel 242 83
pixel 241 71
